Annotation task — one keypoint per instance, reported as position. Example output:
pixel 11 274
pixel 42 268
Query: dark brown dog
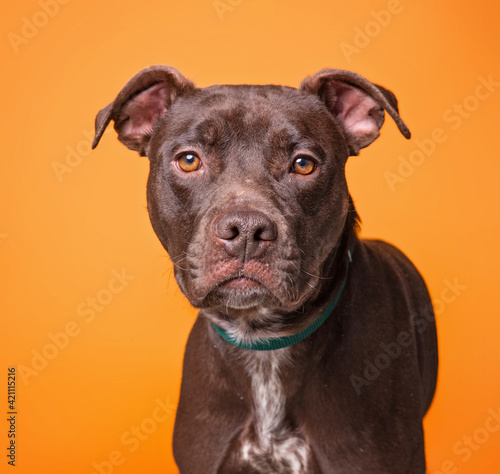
pixel 314 351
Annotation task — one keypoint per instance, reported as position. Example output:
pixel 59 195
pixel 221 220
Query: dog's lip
pixel 240 282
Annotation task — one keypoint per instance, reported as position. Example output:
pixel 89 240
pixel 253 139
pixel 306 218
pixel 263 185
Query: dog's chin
pixel 242 293
pixel 239 293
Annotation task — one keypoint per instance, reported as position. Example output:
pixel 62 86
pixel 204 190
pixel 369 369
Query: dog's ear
pixel 138 106
pixel 356 103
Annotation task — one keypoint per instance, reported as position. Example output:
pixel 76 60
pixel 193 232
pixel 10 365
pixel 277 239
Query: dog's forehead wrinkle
pixel 254 91
pixel 248 103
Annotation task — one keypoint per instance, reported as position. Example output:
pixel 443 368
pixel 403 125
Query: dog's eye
pixel 303 165
pixel 189 162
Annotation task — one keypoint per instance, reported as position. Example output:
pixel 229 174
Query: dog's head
pixel 247 189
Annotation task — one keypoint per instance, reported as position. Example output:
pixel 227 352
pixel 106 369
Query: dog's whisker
pixel 316 276
pixel 312 286
pixel 168 272
pixel 180 268
pixel 182 256
pixel 310 274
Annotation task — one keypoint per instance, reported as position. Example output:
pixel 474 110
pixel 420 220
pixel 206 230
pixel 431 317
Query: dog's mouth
pixel 219 283
pixel 240 283
pixel 241 292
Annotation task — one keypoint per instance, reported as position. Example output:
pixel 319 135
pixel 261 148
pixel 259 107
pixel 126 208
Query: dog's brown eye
pixel 303 165
pixel 189 162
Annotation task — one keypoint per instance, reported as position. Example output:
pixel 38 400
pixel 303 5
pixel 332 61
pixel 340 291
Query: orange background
pixel 62 238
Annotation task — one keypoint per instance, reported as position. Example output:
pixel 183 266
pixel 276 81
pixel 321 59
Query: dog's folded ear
pixel 356 103
pixel 138 106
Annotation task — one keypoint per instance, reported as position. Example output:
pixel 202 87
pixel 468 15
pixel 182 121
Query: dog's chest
pixel 270 443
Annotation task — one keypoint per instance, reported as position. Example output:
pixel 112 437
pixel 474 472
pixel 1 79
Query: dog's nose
pixel 245 234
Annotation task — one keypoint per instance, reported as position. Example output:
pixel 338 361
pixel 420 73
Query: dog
pixel 314 351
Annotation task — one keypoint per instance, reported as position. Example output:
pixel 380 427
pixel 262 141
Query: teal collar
pixel 272 343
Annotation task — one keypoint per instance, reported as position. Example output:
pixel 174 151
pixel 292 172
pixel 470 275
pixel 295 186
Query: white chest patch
pixel 275 447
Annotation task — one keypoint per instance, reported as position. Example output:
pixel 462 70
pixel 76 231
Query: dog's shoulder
pixel 378 251
pixel 384 262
